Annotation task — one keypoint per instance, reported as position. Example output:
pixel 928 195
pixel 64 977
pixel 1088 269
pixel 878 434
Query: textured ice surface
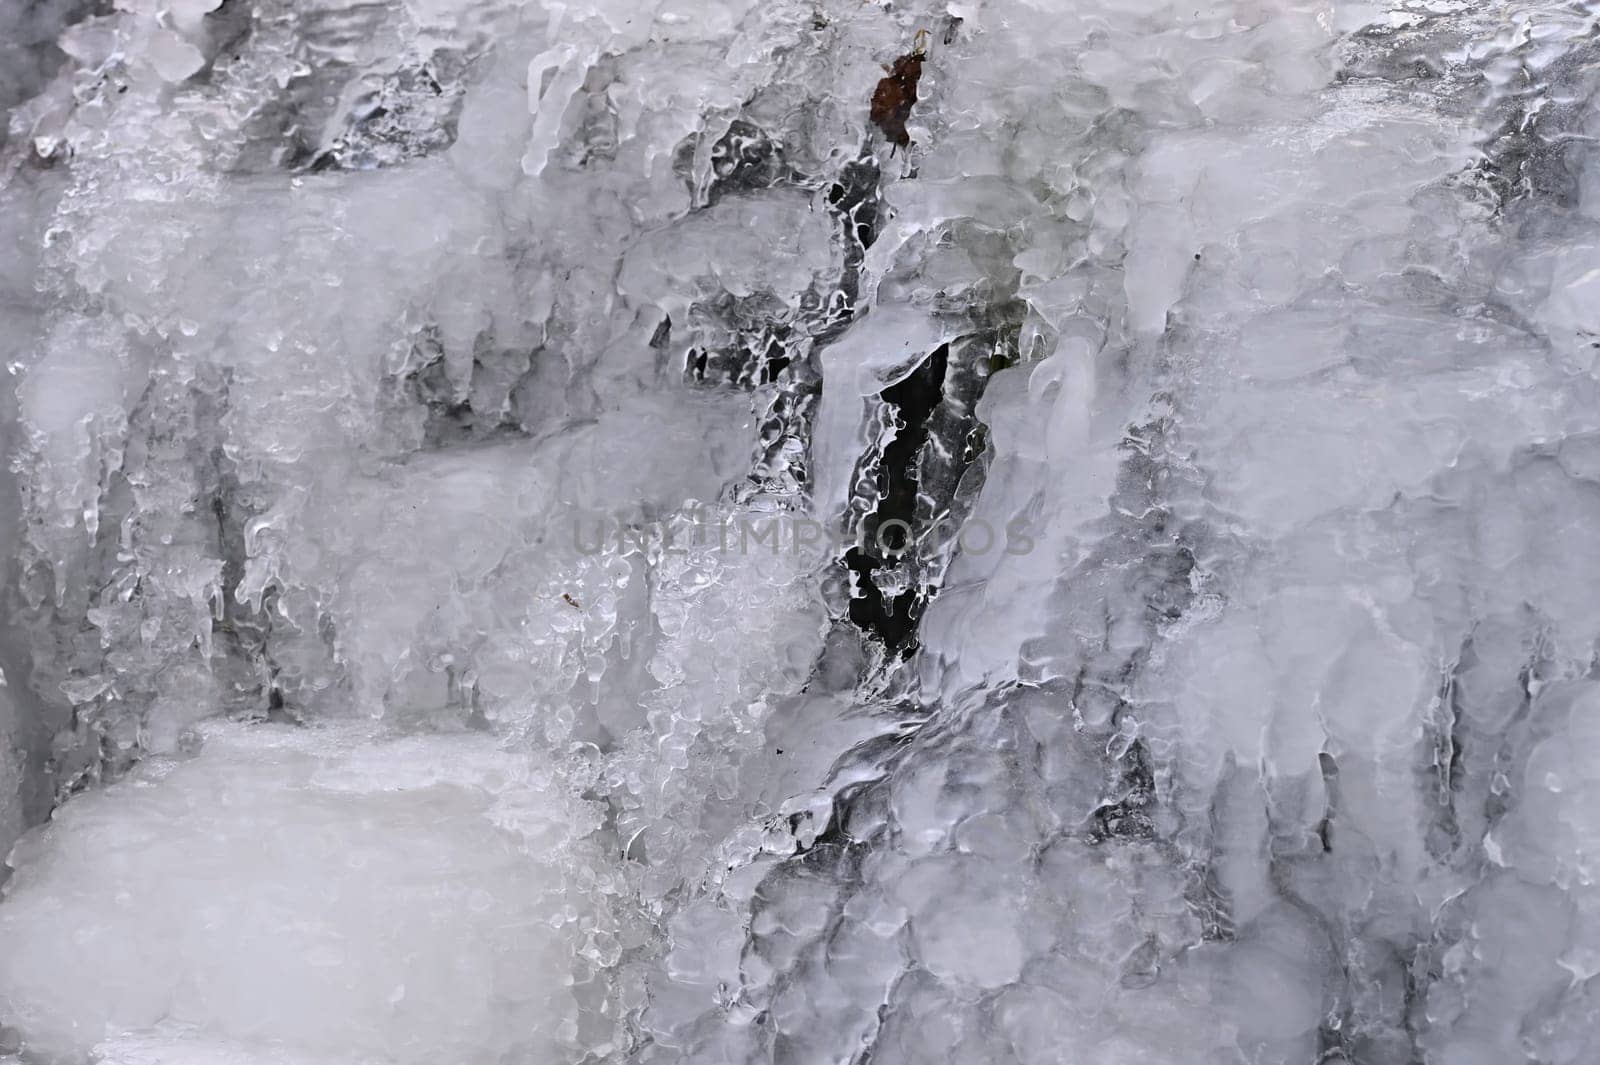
pixel 542 536
pixel 306 893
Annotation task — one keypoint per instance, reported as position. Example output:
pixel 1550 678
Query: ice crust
pixel 304 895
pixel 451 443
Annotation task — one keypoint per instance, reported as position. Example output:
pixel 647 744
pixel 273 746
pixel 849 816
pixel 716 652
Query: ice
pixel 12 762
pixel 452 447
pixel 176 1045
pixel 292 890
pixel 172 57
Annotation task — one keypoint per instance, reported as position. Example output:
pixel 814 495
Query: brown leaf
pixel 894 97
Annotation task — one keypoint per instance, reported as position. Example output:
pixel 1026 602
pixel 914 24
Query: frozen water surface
pixel 542 534
pixel 306 857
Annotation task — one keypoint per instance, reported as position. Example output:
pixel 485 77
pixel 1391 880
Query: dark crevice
pixel 746 159
pixel 1125 812
pixel 1330 786
pixel 887 534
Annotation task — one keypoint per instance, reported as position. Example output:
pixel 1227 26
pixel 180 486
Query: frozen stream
pixel 811 532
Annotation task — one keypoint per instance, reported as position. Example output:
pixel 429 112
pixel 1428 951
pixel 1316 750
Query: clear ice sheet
pixel 454 447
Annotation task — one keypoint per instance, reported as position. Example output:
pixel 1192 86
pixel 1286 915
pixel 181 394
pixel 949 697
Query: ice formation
pixel 307 857
pixel 1009 532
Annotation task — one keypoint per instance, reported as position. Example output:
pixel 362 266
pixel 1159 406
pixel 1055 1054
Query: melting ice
pixel 1096 553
